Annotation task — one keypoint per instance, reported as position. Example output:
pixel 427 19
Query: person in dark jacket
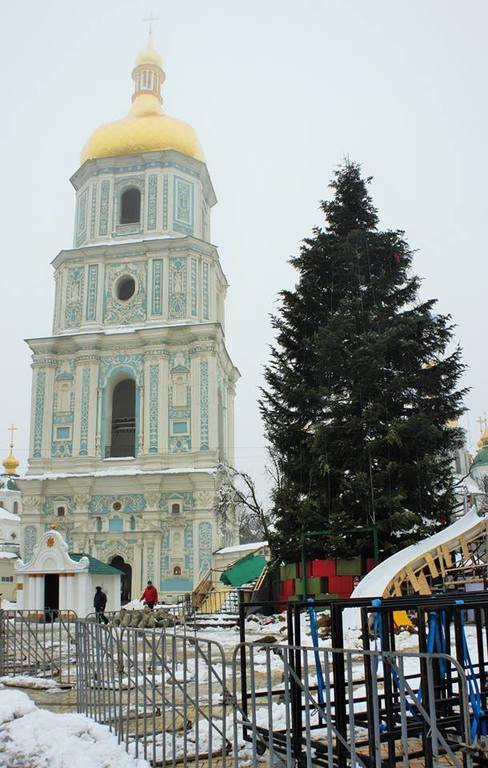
pixel 99 603
pixel 150 595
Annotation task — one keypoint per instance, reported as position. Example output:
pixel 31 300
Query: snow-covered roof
pixel 376 581
pixel 125 471
pixel 252 547
pixel 6 515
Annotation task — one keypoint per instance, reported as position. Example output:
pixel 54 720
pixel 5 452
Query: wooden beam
pixel 447 555
pixel 424 587
pixel 464 548
pixel 432 566
pixel 412 578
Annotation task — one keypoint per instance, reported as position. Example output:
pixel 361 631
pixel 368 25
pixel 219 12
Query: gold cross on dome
pixel 12 429
pixel 149 20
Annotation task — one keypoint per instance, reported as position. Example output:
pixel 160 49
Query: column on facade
pixel 157 561
pixel 101 283
pixel 153 402
pixel 57 300
pixel 164 384
pixel 63 604
pixel 78 406
pixel 195 402
pixel 230 424
pixel 42 407
pixel 213 399
pixel 48 409
pixel 137 567
pixel 140 407
pixel 225 434
pixel 146 405
pixel 99 423
pixel 39 591
pixel 20 593
pixel 70 598
pixel 85 421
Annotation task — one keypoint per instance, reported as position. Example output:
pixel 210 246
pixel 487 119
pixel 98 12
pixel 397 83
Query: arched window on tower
pixel 130 206
pixel 16 507
pixel 123 427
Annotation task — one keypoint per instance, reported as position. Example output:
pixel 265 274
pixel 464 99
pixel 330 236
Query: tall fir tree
pixel 361 390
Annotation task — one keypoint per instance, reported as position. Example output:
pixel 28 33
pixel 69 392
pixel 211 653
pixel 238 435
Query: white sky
pixel 278 92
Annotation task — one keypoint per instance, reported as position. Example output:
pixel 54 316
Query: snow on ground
pixel 6 605
pixel 27 681
pixel 35 738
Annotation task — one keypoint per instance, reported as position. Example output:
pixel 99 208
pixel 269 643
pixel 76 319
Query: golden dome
pixel 11 464
pixel 146 128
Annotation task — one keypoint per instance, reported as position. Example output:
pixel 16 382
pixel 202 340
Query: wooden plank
pixel 440 561
pixel 464 548
pixel 447 555
pixel 424 588
pixel 412 578
pixel 432 566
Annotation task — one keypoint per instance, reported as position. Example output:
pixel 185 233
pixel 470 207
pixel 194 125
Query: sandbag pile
pixel 144 619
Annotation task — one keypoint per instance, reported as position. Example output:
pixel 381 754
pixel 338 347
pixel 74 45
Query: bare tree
pixel 237 501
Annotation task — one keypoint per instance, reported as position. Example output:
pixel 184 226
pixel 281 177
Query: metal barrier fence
pixel 324 707
pixel 163 694
pixel 39 644
pixel 173 698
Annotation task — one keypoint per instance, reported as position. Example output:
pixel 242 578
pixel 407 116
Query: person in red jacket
pixel 150 595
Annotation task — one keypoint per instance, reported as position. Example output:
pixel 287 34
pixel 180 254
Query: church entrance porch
pixel 55 580
pixel 126 580
pixel 51 594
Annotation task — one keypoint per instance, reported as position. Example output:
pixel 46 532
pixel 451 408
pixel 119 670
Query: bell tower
pixel 133 394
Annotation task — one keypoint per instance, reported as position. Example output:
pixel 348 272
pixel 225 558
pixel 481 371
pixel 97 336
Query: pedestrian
pixel 150 595
pixel 99 603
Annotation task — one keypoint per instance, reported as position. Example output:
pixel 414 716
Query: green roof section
pixel 481 457
pixel 8 483
pixel 246 569
pixel 95 566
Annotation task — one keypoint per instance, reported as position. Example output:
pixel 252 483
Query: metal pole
pixel 304 570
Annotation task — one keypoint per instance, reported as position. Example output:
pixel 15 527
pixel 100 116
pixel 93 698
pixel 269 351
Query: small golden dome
pixel 149 55
pixel 483 441
pixel 146 128
pixel 11 464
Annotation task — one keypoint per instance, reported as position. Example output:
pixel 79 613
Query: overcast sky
pixel 278 92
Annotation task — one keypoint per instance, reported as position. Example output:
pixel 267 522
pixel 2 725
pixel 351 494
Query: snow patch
pixel 27 681
pixel 40 739
pixel 255 545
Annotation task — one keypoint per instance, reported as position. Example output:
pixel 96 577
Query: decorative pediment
pixel 108 549
pixel 51 555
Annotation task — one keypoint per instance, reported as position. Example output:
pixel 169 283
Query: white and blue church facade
pixel 133 394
